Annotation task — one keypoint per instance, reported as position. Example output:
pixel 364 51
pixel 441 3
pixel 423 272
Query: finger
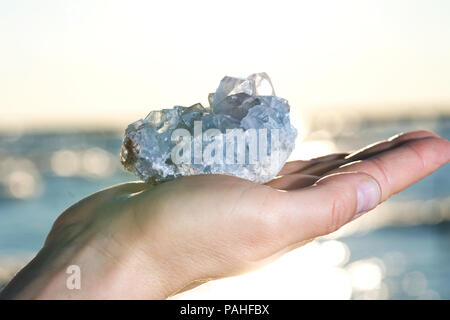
pixel 292 181
pixel 299 165
pixel 320 169
pixel 340 197
pixel 369 151
pixel 326 206
pixel 388 144
pixel 294 166
pixel 399 168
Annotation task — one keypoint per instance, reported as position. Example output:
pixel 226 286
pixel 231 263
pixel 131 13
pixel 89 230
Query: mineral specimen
pixel 245 132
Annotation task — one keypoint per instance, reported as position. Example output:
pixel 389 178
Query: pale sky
pixel 111 62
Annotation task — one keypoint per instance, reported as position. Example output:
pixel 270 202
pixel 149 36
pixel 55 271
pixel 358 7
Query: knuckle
pixel 418 154
pixel 338 212
pixel 383 173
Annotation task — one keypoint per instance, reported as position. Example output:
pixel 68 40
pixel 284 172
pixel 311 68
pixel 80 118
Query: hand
pixel 139 241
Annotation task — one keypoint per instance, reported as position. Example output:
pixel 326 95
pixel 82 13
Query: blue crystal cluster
pixel 239 109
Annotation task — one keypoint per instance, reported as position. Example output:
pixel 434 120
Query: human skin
pixel 137 241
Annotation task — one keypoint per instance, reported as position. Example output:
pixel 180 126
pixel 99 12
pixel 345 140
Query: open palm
pixel 140 241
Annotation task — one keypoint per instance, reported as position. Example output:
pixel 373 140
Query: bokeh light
pixel 65 163
pixel 366 274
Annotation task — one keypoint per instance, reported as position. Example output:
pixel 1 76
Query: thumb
pixel 327 205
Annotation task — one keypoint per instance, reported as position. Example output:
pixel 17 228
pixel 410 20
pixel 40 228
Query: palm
pixel 211 226
pixel 242 222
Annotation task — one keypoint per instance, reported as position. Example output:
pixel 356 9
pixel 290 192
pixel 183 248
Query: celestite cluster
pixel 245 132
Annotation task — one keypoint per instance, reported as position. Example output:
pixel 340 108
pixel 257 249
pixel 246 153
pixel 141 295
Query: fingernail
pixel 369 195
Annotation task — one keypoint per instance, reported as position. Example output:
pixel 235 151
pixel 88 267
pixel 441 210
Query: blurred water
pixel 41 174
